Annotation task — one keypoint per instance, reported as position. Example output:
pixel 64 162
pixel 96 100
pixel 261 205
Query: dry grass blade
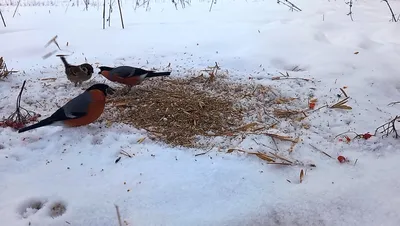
pixel 283 113
pixel 342 104
pixel 281 158
pixel 280 163
pixel 247 127
pixel 262 156
pixel 280 137
pixel 317 149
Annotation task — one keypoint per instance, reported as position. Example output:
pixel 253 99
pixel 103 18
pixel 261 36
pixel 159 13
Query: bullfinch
pixel 81 110
pixel 129 76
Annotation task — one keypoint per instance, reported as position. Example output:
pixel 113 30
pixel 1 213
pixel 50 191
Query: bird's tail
pixel 44 122
pixel 66 64
pixel 156 74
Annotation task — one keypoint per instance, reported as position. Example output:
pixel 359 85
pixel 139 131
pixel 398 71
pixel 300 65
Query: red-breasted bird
pixel 77 73
pixel 82 110
pixel 129 76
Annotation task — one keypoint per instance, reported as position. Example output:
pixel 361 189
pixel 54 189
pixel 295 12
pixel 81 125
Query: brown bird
pixel 77 73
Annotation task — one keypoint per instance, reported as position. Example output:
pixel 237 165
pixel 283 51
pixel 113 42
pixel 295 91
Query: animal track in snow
pixel 57 209
pixel 30 207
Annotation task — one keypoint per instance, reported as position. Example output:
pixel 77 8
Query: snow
pixel 161 185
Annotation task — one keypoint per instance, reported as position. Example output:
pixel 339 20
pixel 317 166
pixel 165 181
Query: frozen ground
pixel 164 186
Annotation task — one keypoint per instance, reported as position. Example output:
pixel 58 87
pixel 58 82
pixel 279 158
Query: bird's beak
pixel 110 91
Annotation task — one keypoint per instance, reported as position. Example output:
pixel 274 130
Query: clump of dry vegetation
pixel 181 111
pixel 21 116
pixel 4 72
pixel 178 110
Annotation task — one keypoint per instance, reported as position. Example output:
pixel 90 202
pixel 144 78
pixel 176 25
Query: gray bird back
pixel 79 104
pixel 123 71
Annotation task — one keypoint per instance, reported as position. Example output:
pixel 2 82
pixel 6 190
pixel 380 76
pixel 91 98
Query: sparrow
pixel 77 73
pixel 80 111
pixel 129 76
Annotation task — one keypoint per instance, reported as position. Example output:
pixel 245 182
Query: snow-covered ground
pixel 165 186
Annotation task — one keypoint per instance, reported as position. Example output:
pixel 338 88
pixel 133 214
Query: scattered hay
pixel 178 110
pixel 186 111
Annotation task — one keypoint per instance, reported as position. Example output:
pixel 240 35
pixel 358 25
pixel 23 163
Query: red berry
pixel 341 159
pixel 366 136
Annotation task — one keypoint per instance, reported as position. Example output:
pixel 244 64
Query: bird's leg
pixel 76 84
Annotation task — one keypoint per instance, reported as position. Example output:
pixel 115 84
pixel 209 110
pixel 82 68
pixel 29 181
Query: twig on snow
pixel 393 103
pixel 350 3
pixel 212 3
pixel 120 13
pixel 109 14
pixel 388 128
pixel 16 8
pixel 21 116
pixel 391 11
pixel 104 14
pixel 2 18
pixel 118 215
pixel 289 4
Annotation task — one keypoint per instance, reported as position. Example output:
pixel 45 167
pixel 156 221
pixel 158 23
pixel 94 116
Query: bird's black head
pixel 105 68
pixel 102 87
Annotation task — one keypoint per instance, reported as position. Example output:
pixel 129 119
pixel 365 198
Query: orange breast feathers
pixel 95 109
pixel 134 80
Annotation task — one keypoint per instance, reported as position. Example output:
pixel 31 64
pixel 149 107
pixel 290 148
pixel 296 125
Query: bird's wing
pixel 76 71
pixel 77 107
pixel 128 71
